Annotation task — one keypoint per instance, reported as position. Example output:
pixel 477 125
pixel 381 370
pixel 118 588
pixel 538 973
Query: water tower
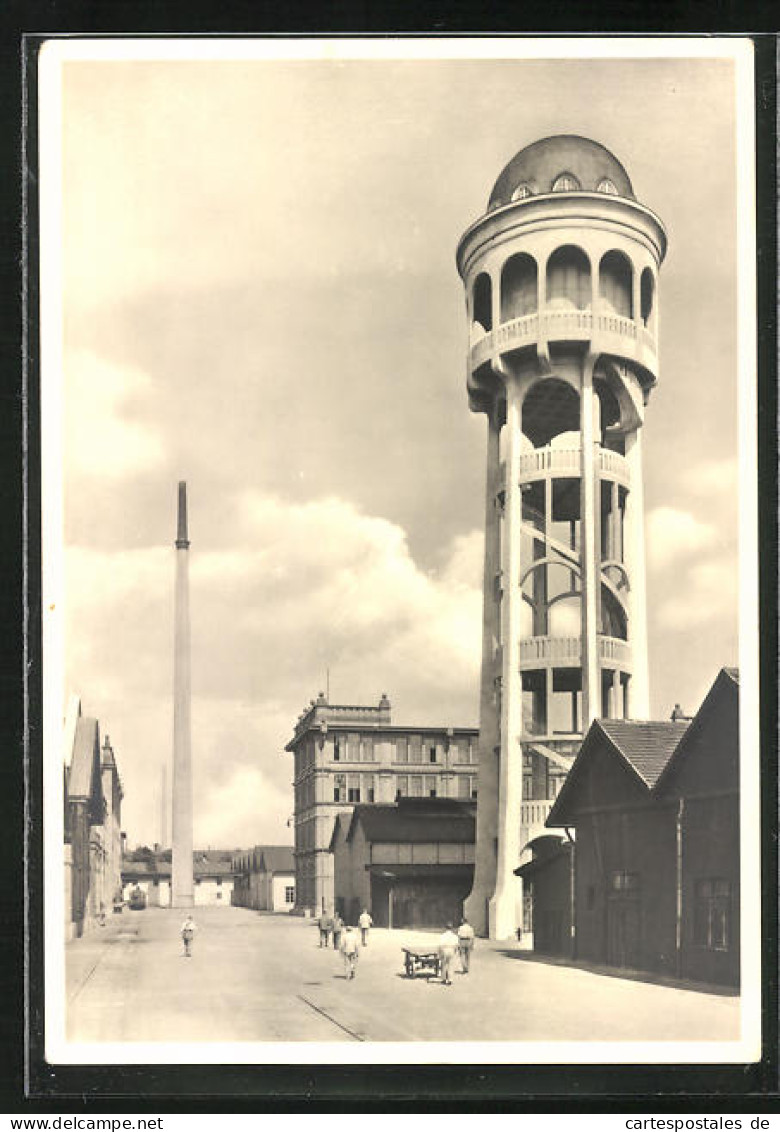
pixel 561 277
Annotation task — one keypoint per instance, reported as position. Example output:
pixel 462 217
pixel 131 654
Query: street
pixel 259 977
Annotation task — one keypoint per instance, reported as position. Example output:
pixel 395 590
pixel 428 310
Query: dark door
pixel 623 936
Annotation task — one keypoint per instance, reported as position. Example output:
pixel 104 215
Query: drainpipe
pixel 679 888
pixel 572 921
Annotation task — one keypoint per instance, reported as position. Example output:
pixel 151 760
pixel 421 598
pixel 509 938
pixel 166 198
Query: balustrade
pixel 567 651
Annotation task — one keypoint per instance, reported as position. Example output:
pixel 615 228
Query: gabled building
pixel 655 812
pixel 93 839
pixel 212 869
pixel 265 878
pixel 410 864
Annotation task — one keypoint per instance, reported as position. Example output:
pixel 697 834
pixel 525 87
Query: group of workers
pixel 345 940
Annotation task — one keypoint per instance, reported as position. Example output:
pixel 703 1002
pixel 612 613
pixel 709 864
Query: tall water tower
pixel 561 281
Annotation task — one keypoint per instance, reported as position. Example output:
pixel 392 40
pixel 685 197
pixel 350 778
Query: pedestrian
pixel 338 927
pixel 349 949
pixel 465 944
pixel 448 945
pixel 325 924
pixel 364 923
pixel 188 930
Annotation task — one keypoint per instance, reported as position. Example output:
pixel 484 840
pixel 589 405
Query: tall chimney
pixel 181 871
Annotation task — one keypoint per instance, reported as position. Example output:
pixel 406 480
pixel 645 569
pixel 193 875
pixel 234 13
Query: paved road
pixel 256 977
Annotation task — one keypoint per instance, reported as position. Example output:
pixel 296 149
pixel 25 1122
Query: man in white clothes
pixel 188 934
pixel 349 949
pixel 364 923
pixel 448 946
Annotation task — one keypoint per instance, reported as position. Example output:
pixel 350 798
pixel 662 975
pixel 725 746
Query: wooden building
pixel 410 864
pixel 265 878
pixel 655 807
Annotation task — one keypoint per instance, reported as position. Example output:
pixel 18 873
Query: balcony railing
pixel 561 325
pixel 567 460
pixel 535 814
pixel 567 651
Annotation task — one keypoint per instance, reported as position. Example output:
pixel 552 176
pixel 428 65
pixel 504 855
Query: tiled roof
pixel 733 673
pixel 646 746
pixel 278 858
pixel 394 823
pixel 82 763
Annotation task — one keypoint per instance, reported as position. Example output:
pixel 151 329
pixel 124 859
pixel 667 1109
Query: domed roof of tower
pixel 564 163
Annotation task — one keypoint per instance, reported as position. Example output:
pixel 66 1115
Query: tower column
pixel 502 909
pixel 634 560
pixel 589 544
pixel 182 889
pixel 487 777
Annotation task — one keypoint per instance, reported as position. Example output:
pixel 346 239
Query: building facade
pixel 349 755
pixel 561 280
pixel 410 864
pixel 212 870
pixel 93 815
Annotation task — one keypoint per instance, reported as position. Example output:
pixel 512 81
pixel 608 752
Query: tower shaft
pixel 182 888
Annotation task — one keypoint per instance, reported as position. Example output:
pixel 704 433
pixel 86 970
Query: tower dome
pixel 564 163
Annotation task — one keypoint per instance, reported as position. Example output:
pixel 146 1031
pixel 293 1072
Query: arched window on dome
pixel 482 315
pixel 518 287
pixel 616 283
pixel 607 186
pixel 523 191
pixel 568 279
pixel 565 183
pixel 646 292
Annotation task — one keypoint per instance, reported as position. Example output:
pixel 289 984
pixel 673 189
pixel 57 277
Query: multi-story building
pixel 345 755
pixel 561 280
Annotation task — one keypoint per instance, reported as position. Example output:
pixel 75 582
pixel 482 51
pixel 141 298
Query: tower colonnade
pixel 561 297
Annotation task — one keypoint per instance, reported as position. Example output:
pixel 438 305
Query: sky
pixel 260 297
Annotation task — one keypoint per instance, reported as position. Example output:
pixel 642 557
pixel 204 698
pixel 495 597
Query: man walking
pixel 349 949
pixel 338 927
pixel 448 945
pixel 364 923
pixel 465 944
pixel 188 934
pixel 325 924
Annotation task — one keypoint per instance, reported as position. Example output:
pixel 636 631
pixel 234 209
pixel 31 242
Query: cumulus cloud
pixel 673 534
pixel 304 588
pixel 108 431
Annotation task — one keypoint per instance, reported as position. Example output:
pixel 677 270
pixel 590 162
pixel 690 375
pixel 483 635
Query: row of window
pixel 408 749
pixel 712 907
pixel 354 788
pixel 564 183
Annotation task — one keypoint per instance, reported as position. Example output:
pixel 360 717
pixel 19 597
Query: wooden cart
pixel 426 961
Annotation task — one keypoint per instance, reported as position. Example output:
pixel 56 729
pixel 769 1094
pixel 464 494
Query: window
pixel 606 186
pixel 464 786
pixel 353 748
pixel 402 786
pixel 528 762
pixel 219 896
pixel 528 786
pixel 522 191
pixel 432 755
pixel 368 787
pixel 353 788
pixel 565 183
pixel 402 749
pixel 219 880
pixel 624 882
pixel 339 788
pixel 337 749
pixel 416 783
pixel 712 914
pixel 289 894
pixel 430 785
pixel 367 748
pixel 415 749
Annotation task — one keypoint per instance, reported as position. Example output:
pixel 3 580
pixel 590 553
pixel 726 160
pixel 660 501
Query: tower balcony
pixel 607 333
pixel 566 652
pixel 566 461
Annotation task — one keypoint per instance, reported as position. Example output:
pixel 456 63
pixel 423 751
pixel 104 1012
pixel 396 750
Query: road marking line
pixel 330 1018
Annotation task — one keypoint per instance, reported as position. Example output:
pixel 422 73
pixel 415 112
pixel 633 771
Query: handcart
pixel 426 961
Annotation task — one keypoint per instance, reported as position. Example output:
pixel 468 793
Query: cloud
pixel 672 534
pixel 108 431
pixel 707 595
pixel 304 588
